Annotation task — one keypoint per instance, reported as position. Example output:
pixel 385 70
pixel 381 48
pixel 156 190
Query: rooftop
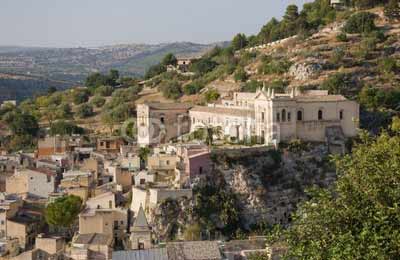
pixel 166 106
pixel 225 111
pixel 194 250
pixel 140 223
pixel 149 254
pixel 93 239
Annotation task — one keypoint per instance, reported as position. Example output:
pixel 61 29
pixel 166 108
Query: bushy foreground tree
pixel 360 217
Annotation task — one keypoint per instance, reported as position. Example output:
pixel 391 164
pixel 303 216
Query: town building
pixel 32 182
pixel 92 246
pixel 161 123
pixel 109 144
pixel 273 118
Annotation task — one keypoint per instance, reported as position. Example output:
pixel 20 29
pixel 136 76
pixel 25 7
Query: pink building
pixel 196 161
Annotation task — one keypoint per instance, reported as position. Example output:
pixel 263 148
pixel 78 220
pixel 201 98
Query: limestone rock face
pixel 304 70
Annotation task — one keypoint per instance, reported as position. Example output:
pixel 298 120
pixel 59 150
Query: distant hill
pixel 25 71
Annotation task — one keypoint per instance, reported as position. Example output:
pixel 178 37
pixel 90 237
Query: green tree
pixel 362 22
pixel 211 95
pixel 63 212
pixel 193 88
pixel 336 83
pixel 392 10
pixel 65 128
pixel 104 91
pixel 241 75
pixel 171 89
pixel 113 77
pixel 80 96
pixel 155 70
pixel 239 42
pixel 23 124
pixel 169 59
pixel 202 66
pixel 98 101
pixel 144 153
pixel 358 218
pixel 95 80
pixel 84 111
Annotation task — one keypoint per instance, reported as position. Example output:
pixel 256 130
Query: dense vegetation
pixel 358 218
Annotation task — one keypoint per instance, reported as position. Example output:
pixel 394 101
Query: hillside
pixel 25 71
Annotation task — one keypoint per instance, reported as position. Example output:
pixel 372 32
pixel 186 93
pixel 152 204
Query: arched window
pixel 283 115
pixel 320 114
pixel 341 114
pixel 299 115
pixel 289 116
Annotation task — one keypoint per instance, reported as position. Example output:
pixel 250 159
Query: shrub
pixel 211 95
pixel 155 70
pixel 65 128
pixel 335 84
pixel 171 89
pixel 337 56
pixel 80 96
pixel 387 66
pixel 275 66
pixel 202 66
pixel 251 86
pixel 84 111
pixel 98 101
pixel 104 91
pixel 240 75
pixel 169 59
pixel 193 88
pixel 342 37
pixel 360 23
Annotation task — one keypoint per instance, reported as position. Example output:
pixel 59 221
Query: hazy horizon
pixel 98 23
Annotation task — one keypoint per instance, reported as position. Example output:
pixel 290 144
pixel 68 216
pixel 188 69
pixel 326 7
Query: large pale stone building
pixel 273 118
pixel 264 115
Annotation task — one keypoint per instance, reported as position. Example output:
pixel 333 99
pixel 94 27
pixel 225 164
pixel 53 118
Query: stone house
pixel 113 222
pixel 55 145
pixel 109 144
pixel 54 246
pixel 161 122
pixel 106 200
pixel 32 182
pixel 9 206
pixel 24 227
pixel 144 177
pixel 92 246
pixel 195 160
pixel 150 198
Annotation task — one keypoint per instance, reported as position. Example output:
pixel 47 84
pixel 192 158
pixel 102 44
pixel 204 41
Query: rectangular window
pixel 278 117
pixel 262 117
pixel 289 116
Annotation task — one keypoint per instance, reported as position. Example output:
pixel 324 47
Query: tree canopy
pixel 359 217
pixel 63 211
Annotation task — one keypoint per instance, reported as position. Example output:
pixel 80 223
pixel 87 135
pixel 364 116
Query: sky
pixel 91 23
